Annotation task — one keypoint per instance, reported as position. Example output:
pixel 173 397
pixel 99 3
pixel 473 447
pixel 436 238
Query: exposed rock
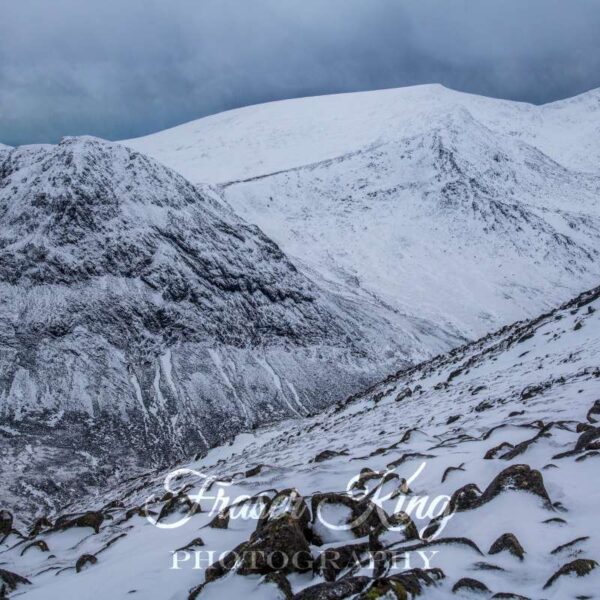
pixel 180 503
pixel 398 522
pixel 412 581
pixel 516 477
pixel 85 560
pixel 594 413
pixel 195 543
pixel 408 456
pixel 254 471
pixel 587 455
pixel 365 516
pixel 12 580
pixel 279 545
pixel 291 503
pixel 387 589
pixel 89 519
pixel 472 585
pixel 365 476
pixel 570 544
pixel 6 523
pixel 465 498
pixel 139 511
pixel 331 562
pixel 40 544
pixel 493 452
pixel 509 543
pixel 403 394
pixel 282 583
pixel 39 525
pixel 328 455
pixel 450 541
pixel 523 446
pixel 533 390
pixel 450 470
pixel 484 566
pixel 221 520
pixel 337 590
pixel 557 520
pixel 222 566
pixel 579 567
pixel 586 441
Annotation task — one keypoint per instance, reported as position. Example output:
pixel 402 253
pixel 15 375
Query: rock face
pixel 141 322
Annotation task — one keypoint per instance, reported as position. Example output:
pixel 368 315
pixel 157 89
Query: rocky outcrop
pixel 579 567
pixel 507 542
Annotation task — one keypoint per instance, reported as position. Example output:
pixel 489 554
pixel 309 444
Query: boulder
pixel 516 477
pixel 39 544
pixel 365 516
pixel 6 523
pixel 466 583
pixel 328 455
pixel 333 561
pixel 337 590
pixel 181 503
pixel 588 440
pixel 279 545
pixel 12 580
pixel 83 561
pixel 289 502
pixel 89 519
pixel 464 498
pixel 579 567
pixel 507 542
pixel 39 525
pixel 593 415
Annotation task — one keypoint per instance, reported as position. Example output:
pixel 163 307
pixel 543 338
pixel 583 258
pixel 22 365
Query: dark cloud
pixel 121 68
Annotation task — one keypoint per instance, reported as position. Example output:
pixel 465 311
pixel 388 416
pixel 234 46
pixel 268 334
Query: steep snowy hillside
pixel 466 211
pixel 140 322
pixel 471 475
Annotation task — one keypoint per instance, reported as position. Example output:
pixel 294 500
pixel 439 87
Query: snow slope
pixel 456 427
pixel 141 322
pixel 466 211
pixel 262 139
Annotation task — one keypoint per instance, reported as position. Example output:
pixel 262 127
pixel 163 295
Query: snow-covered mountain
pixel 465 211
pixel 141 322
pixel 503 431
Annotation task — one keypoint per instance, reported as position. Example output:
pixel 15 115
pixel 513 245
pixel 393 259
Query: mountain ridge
pixel 141 322
pixel 461 209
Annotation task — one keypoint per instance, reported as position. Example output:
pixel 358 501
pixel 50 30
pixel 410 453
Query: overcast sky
pixel 122 68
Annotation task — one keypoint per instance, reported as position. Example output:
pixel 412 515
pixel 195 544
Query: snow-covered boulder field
pixel 472 475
